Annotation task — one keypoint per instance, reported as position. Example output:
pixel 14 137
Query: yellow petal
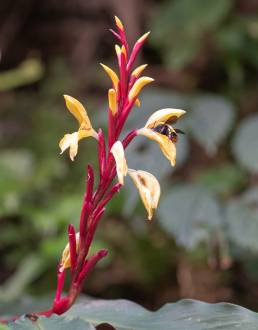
pixel 138 85
pixel 77 110
pixel 66 260
pixel 112 75
pixel 166 145
pixel 123 50
pixel 149 189
pixel 117 151
pixel 118 50
pixel 138 103
pixel 143 37
pixel 119 24
pixel 112 101
pixel 164 115
pixel 136 72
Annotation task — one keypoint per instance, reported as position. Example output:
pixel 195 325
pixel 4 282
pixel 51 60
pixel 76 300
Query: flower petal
pixel 166 145
pixel 71 140
pixel 138 85
pixel 136 72
pixel 163 116
pixel 112 75
pixel 112 101
pixel 66 260
pixel 77 110
pixel 149 189
pixel 117 151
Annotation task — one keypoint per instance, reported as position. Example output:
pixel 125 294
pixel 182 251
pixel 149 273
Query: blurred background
pixel 202 242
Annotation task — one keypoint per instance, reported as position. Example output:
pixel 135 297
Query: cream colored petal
pixel 149 189
pixel 70 141
pixel 138 85
pixel 117 151
pixel 166 145
pixel 163 116
pixel 66 260
pixel 77 110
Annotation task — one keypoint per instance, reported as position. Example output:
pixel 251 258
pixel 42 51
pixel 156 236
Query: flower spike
pixel 149 189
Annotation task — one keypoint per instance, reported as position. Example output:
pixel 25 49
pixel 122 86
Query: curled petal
pixel 117 151
pixel 77 110
pixel 71 140
pixel 66 259
pixel 166 145
pixel 149 189
pixel 138 85
pixel 136 72
pixel 163 116
pixel 112 75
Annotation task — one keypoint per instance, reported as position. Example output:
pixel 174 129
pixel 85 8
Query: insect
pixel 169 131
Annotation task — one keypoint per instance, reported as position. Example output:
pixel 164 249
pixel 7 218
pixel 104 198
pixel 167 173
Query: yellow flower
pixel 151 130
pixel 117 151
pixel 66 260
pixel 149 189
pixel 85 129
pixel 138 85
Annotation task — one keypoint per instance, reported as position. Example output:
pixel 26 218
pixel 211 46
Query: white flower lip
pixel 117 151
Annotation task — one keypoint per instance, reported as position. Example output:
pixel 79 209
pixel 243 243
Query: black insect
pixel 169 131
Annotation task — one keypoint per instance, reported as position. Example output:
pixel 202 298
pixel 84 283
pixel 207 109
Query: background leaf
pixel 185 314
pixel 210 119
pixel 190 213
pixel 245 146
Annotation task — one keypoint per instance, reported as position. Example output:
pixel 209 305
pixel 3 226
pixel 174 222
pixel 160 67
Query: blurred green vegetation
pixel 206 226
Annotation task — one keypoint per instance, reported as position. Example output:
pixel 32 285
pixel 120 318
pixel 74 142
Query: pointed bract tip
pixel 119 24
pixel 143 37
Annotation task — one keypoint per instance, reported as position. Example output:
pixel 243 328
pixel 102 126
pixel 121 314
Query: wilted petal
pixel 166 145
pixel 66 260
pixel 164 116
pixel 149 189
pixel 117 151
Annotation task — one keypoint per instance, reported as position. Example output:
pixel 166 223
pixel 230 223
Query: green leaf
pixel 53 323
pixel 210 120
pixel 222 179
pixel 245 146
pixel 242 220
pixel 190 213
pixel 185 314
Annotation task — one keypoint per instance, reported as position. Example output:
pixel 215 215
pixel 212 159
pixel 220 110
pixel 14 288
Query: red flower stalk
pixel 122 97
